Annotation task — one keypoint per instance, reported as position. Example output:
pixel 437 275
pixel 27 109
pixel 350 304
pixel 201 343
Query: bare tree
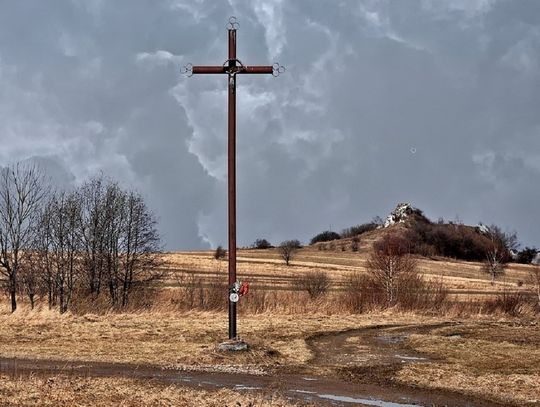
pixel 64 245
pixel 496 262
pixel 288 249
pixel 508 240
pixel 93 224
pixel 316 283
pixel 114 206
pixel 140 245
pixel 41 260
pixel 29 278
pixel 391 265
pixel 119 238
pixel 498 251
pixel 56 248
pixel 22 192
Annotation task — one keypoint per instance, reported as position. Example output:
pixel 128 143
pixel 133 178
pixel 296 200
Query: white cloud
pixel 194 7
pixel 523 56
pixel 470 8
pixel 377 23
pixel 159 58
pixel 270 15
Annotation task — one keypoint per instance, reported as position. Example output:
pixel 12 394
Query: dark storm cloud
pixel 383 101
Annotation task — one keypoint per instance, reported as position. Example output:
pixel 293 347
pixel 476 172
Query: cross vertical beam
pixel 232 67
pixel 232 178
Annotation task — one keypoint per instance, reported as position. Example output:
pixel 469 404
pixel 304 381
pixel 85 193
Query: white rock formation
pixel 482 228
pixel 514 254
pixel 399 215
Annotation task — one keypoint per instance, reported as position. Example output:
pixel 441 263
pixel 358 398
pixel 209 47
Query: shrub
pixel 526 255
pixel 354 244
pixel 315 283
pixel 361 293
pixel 359 229
pixel 420 295
pixel 325 236
pixel 294 243
pixel 456 241
pixel 219 253
pixel 365 292
pixel 261 244
pixel 508 303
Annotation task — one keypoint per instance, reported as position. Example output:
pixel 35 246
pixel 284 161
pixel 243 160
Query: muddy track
pixel 374 354
pixel 372 345
pixel 336 355
pixel 322 391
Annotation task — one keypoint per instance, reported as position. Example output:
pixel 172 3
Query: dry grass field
pixel 268 272
pixel 68 391
pixel 492 358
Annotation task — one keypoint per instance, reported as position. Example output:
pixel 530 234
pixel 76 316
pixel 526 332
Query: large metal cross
pixel 232 67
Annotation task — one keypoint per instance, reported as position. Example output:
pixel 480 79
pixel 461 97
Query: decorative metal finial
pixel 233 24
pixel 187 70
pixel 277 69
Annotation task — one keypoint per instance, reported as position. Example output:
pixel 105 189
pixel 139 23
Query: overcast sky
pixel 436 103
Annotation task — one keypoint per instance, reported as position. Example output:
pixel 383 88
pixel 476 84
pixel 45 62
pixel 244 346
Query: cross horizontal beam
pixel 263 69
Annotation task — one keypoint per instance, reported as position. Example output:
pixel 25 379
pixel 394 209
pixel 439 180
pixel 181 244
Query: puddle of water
pixel 210 383
pixel 409 357
pixel 243 387
pixel 309 379
pixel 391 339
pixel 304 391
pixel 366 402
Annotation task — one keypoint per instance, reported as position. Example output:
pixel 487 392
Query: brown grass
pixel 180 322
pixel 500 361
pixel 58 391
pixel 269 272
pixel 464 358
pixel 169 339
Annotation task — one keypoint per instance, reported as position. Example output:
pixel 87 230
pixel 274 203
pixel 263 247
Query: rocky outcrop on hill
pixel 481 228
pixel 403 212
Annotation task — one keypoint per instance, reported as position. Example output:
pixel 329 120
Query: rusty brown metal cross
pixel 232 67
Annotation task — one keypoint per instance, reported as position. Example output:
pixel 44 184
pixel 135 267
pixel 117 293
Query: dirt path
pixel 373 355
pixel 320 390
pixel 375 345
pixel 374 349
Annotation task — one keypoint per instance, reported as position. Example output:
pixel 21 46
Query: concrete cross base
pixel 233 345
